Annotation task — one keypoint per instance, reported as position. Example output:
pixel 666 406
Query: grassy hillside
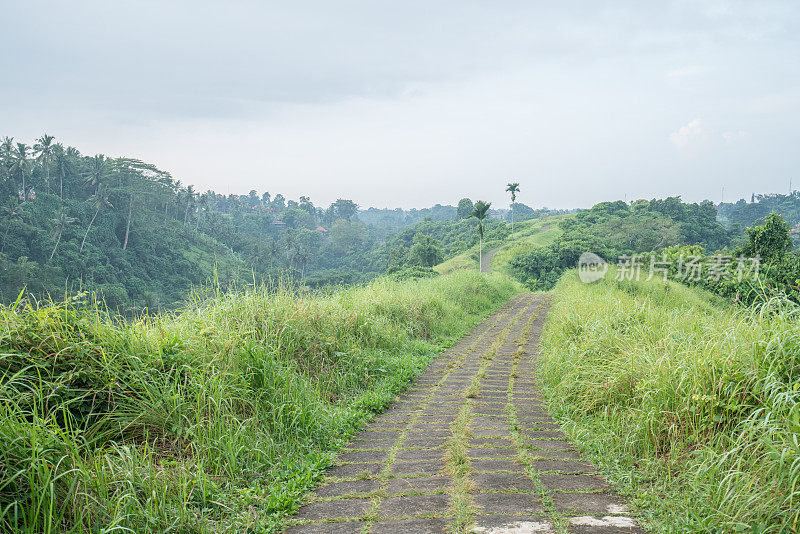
pixel 691 404
pixel 218 418
pixel 527 236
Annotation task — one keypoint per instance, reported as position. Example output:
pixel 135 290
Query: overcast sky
pixel 411 103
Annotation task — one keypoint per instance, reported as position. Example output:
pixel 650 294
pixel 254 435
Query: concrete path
pixel 468 448
pixel 486 260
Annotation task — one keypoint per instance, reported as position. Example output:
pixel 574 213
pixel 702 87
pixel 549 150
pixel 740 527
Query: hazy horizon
pixel 413 104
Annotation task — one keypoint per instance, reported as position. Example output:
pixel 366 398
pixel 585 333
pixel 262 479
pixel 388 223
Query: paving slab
pixel 503 524
pixel 421 466
pixel 345 527
pixel 348 487
pixel 414 505
pixel 589 503
pixel 354 470
pixel 340 509
pixel 417 485
pixel 430 525
pixel 508 503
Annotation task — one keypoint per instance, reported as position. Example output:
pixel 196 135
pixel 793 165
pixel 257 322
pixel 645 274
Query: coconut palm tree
pixel 480 212
pixel 43 151
pixel 7 147
pixel 190 195
pixel 6 156
pixel 513 188
pixel 22 165
pixel 64 166
pixel 12 212
pixel 60 223
pixel 205 205
pixel 100 201
pixel 98 172
pixel 273 249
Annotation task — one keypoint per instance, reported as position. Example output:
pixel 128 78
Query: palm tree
pixel 7 147
pixel 190 196
pixel 480 211
pixel 136 179
pixel 43 150
pixel 60 223
pixel 12 212
pixel 7 155
pixel 273 249
pixel 64 166
pixel 513 188
pixel 22 164
pixel 100 201
pixel 97 173
pixel 302 256
pixel 205 204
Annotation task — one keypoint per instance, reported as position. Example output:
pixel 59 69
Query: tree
pixel 205 205
pixel 99 201
pixel 770 240
pixel 272 249
pixel 43 150
pixel 465 208
pixel 426 251
pixel 21 166
pixel 344 209
pixel 305 204
pixel 279 202
pixel 513 188
pixel 60 223
pixel 7 156
pixel 190 195
pixel 480 212
pixel 98 172
pixel 253 200
pixel 135 177
pixel 12 212
pixel 64 166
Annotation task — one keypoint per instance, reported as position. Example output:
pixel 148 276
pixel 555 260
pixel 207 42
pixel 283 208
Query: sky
pixel 412 103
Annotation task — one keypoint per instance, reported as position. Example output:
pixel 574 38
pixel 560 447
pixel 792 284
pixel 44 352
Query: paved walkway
pixel 486 260
pixel 468 448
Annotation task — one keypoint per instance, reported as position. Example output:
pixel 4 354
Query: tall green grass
pixel 692 404
pixel 215 419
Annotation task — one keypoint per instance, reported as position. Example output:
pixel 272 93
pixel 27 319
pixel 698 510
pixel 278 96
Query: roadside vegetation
pixel 692 405
pixel 612 229
pixel 217 418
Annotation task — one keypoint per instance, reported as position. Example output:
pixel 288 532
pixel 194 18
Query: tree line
pixel 132 232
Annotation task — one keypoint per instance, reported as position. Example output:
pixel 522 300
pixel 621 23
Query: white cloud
pixel 688 134
pixel 736 137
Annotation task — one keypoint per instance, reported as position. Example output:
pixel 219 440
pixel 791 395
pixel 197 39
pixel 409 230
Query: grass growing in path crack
pixel 458 466
pixel 514 426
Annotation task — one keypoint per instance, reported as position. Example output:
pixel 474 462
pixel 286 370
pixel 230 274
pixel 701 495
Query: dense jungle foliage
pixel 613 229
pixel 135 235
pixel 744 214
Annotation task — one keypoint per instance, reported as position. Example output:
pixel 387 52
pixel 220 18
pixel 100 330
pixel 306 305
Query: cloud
pixel 688 134
pixel 740 136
